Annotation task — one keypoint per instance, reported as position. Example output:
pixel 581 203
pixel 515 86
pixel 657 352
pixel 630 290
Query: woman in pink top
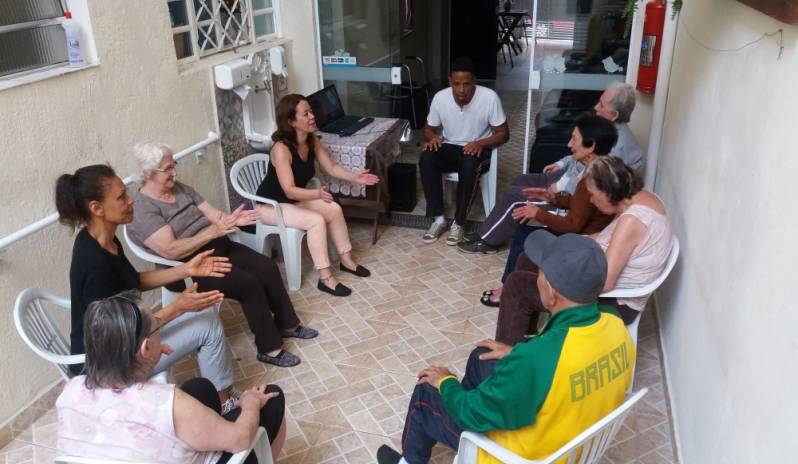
pixel 113 412
pixel 637 244
pixel 638 241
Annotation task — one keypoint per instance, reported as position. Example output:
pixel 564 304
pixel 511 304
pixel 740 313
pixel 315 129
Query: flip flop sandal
pixel 485 299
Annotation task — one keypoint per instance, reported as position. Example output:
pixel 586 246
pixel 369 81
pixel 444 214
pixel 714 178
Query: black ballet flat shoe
pixel 359 271
pixel 339 290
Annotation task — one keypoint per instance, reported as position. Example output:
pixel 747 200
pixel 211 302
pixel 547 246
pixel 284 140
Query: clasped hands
pixel 433 374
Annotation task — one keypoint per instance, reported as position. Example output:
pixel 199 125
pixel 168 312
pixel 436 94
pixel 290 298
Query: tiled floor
pixel 350 393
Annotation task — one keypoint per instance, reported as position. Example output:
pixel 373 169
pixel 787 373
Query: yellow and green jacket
pixel 550 388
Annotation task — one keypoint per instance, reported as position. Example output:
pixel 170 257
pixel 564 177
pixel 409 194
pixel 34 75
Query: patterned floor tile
pixel 350 393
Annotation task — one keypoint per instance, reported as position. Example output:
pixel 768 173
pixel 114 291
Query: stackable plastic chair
pixel 487 182
pixel 586 448
pixel 42 335
pixel 260 446
pixel 245 177
pixel 167 296
pixel 647 290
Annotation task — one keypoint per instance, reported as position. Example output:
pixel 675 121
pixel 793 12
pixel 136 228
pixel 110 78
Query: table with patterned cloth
pixel 373 147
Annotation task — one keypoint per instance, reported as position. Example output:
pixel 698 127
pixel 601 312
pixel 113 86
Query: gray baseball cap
pixel 574 265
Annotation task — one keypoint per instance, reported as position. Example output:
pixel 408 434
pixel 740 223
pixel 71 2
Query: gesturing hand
pixel 192 301
pixel 244 217
pixel 205 265
pixel 498 350
pixel 553 167
pixel 366 178
pixel 225 224
pixel 433 144
pixel 539 193
pixel 256 396
pixel 432 375
pixel 525 213
pixel 473 149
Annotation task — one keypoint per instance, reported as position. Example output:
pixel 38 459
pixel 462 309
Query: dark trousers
pixel 450 158
pixel 500 225
pixel 517 247
pixel 255 282
pixel 271 415
pixel 521 306
pixel 427 422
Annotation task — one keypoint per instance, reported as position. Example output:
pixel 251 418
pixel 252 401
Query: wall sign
pixel 784 10
pixel 339 60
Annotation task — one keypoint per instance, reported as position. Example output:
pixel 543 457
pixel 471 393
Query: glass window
pixel 264 25
pixel 31 35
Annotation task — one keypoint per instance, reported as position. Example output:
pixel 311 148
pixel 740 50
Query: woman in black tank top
pixel 291 166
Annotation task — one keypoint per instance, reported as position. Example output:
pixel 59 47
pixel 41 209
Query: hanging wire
pixel 779 41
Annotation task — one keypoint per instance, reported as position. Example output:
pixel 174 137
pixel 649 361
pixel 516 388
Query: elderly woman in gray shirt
pixel 172 220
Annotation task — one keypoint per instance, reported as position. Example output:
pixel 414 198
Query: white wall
pixel 299 25
pixel 91 116
pixel 727 172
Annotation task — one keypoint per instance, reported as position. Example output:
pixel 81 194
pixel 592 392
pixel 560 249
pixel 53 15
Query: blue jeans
pixel 427 421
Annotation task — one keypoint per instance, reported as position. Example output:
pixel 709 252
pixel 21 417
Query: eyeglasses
pixel 171 167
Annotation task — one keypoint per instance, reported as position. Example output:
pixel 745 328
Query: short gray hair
pixel 148 156
pixel 112 344
pixel 623 100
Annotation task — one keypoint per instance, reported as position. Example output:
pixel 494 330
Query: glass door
pixel 359 41
pixel 579 49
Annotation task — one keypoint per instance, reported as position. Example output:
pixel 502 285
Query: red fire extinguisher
pixel 649 49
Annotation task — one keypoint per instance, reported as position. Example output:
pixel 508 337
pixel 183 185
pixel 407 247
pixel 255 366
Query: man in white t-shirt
pixel 465 122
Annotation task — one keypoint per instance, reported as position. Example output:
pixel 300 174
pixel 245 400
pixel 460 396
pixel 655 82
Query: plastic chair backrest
pixel 586 448
pixel 146 255
pixel 247 174
pixel 650 288
pixel 38 330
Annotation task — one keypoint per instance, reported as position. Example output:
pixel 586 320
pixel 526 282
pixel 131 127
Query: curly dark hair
pixel 612 176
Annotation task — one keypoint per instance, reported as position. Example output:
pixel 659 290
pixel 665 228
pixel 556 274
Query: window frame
pixel 203 47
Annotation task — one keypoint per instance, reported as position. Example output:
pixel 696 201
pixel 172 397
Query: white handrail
pixel 30 229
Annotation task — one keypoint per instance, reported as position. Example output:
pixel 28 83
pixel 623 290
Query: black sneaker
pixel 387 455
pixel 478 246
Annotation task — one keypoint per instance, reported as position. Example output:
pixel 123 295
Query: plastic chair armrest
pixel 258 199
pixel 492 448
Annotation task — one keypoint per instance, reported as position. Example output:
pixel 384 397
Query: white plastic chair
pixel 42 335
pixel 487 182
pixel 245 177
pixel 167 296
pixel 647 290
pixel 260 446
pixel 586 448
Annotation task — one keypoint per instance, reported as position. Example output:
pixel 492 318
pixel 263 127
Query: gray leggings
pixel 200 333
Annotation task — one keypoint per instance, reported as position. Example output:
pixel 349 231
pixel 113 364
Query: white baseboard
pixel 674 420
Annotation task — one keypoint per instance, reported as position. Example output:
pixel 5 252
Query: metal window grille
pixel 205 27
pixel 31 35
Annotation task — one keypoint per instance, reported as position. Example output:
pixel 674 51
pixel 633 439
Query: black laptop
pixel 330 116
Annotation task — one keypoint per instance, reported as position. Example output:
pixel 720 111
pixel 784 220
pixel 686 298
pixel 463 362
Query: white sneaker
pixel 455 234
pixel 434 231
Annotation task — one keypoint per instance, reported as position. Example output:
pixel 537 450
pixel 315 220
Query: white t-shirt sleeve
pixel 434 117
pixel 497 117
